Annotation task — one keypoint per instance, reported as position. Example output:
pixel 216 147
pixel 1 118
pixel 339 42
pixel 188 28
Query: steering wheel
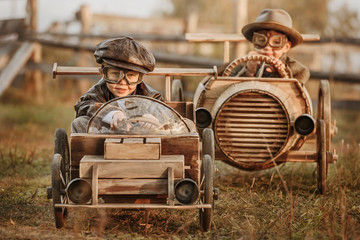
pixel 144 123
pixel 261 58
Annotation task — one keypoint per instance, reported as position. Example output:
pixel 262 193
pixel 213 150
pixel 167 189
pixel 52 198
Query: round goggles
pixel 275 41
pixel 115 75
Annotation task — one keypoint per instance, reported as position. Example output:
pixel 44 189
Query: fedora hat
pixel 273 19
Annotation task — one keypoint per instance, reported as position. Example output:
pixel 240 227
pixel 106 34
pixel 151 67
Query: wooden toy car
pixel 259 122
pixel 154 159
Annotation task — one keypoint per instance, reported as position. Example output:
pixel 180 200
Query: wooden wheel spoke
pixel 62 178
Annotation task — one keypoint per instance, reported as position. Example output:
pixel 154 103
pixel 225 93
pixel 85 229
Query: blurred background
pixel 34 34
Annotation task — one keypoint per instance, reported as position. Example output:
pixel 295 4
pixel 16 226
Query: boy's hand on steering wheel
pixel 252 65
pixel 117 117
pixel 278 64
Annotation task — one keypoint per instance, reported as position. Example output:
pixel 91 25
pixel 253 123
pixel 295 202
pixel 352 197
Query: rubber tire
pixel 324 109
pixel 208 143
pixel 60 214
pixel 62 148
pixel 321 150
pixel 208 192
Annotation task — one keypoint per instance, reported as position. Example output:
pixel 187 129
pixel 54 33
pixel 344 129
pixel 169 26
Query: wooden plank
pixel 222 37
pixel 256 135
pixel 251 115
pixel 132 168
pixel 16 63
pixel 94 180
pixel 132 148
pixel 251 109
pixel 298 156
pixel 133 186
pixel 171 186
pixel 253 145
pixel 74 70
pixel 228 129
pixel 249 122
pixel 167 88
pixel 137 206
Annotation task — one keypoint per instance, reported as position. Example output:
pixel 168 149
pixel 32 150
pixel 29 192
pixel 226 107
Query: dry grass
pixel 266 204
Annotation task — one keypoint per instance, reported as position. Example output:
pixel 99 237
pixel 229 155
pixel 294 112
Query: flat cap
pixel 126 53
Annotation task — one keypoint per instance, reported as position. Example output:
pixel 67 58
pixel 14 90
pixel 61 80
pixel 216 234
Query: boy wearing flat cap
pixel 123 65
pixel 272 35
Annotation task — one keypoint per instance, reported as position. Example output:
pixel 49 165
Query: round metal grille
pixel 251 127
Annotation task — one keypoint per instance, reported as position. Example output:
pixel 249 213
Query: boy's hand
pixel 278 64
pixel 117 117
pixel 252 65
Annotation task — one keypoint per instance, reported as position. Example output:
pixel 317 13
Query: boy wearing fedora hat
pixel 272 35
pixel 123 65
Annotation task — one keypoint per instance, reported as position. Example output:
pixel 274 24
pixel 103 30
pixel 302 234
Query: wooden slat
pixel 275 123
pixel 255 151
pixel 256 130
pixel 244 125
pixel 258 99
pixel 250 115
pixel 94 171
pixel 171 185
pixel 133 186
pixel 242 109
pixel 247 135
pixel 259 140
pixel 132 168
pixel 253 104
pixel 250 156
pixel 253 145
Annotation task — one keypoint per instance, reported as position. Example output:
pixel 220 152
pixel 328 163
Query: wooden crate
pixel 132 148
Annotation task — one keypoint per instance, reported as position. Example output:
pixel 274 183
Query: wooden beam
pixel 70 70
pixel 94 185
pixel 16 63
pixel 171 186
pixel 132 168
pixel 133 186
pixel 223 37
pixel 137 206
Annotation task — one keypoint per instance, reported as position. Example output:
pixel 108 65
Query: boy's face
pixel 121 83
pixel 271 43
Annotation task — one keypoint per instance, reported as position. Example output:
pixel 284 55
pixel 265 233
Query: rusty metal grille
pixel 251 127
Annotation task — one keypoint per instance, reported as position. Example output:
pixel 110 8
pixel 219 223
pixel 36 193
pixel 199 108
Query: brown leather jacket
pixel 99 93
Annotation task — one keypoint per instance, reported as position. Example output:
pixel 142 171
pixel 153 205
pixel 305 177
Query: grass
pixel 266 204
